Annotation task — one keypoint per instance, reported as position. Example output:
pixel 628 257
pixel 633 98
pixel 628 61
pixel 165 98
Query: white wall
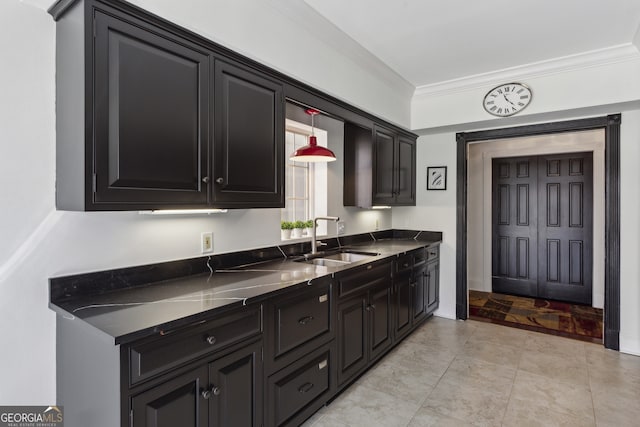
pixel 309 48
pixel 38 242
pixel 437 211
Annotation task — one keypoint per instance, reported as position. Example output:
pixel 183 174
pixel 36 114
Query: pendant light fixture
pixel 313 152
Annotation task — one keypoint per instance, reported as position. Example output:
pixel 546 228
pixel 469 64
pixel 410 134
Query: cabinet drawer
pixel 153 357
pixel 301 318
pixel 297 323
pixel 404 263
pixel 299 388
pixel 363 277
pixel 433 253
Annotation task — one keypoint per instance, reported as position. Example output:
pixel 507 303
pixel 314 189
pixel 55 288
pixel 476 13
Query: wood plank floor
pixel 551 317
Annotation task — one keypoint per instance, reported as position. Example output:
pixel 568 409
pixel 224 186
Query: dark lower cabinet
pixel 177 402
pixel 419 294
pixel 234 390
pixel 297 391
pixel 380 315
pixel 353 336
pixel 403 317
pixel 433 286
pixel 365 317
pixel 224 392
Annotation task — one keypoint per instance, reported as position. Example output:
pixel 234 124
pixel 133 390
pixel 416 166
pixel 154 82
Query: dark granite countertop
pixel 128 313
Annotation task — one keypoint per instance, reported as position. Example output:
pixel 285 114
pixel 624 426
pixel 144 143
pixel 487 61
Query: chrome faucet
pixel 314 242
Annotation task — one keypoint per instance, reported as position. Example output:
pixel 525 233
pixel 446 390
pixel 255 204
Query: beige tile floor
pixel 454 373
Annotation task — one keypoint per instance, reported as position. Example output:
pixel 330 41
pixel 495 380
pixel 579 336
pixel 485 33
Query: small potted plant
pixel 285 230
pixel 296 233
pixel 308 228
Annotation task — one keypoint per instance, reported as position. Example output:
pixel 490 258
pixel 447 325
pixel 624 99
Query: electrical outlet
pixel 206 242
pixel 340 227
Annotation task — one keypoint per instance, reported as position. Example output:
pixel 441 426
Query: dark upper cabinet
pixel 162 119
pixel 393 169
pixel 379 167
pixel 405 173
pixel 151 117
pixel 384 176
pixel 248 139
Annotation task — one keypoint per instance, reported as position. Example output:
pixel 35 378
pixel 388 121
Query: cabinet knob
pixel 369 267
pixel 370 307
pixel 211 339
pixel 211 391
pixel 220 180
pixel 205 179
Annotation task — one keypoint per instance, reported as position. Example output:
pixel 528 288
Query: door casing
pixel 611 126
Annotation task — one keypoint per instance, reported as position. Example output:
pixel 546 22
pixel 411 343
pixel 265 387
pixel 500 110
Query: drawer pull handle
pixel 305 320
pixel 433 253
pixel 406 264
pixel 208 392
pixel 211 339
pixel 305 387
pixel 369 267
pixel 370 307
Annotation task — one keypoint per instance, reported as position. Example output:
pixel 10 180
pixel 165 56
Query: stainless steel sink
pixel 326 262
pixel 350 256
pixel 339 259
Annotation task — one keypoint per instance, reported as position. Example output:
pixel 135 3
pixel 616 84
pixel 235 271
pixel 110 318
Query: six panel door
pixel 543 226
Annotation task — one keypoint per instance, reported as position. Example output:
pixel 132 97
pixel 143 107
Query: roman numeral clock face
pixel 507 99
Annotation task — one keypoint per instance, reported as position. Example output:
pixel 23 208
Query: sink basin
pixel 350 256
pixel 339 259
pixel 326 262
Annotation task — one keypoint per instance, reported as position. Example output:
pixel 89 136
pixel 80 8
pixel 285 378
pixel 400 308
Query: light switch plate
pixel 340 227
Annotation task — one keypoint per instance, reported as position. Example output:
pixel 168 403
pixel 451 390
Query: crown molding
pixel 595 58
pixel 40 4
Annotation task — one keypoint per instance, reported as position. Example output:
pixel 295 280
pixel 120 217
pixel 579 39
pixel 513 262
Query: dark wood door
pixel 379 321
pixel 353 339
pixel 543 226
pixel 249 139
pixel 151 118
pixel 405 176
pixel 384 167
pixel 565 229
pixel 177 402
pixel 515 226
pixel 433 289
pixel 235 383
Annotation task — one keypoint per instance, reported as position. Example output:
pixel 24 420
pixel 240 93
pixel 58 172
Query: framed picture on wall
pixel 436 178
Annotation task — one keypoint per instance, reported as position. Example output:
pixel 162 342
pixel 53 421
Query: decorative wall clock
pixel 507 99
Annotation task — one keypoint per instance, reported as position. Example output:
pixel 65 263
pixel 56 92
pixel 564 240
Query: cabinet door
pixel 151 118
pixel 352 336
pixel 406 173
pixel 380 332
pixel 403 306
pixel 419 295
pixel 177 402
pixel 249 139
pixel 433 286
pixel 384 171
pixel 235 385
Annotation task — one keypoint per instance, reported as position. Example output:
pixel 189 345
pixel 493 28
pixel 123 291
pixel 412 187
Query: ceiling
pixel 429 42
